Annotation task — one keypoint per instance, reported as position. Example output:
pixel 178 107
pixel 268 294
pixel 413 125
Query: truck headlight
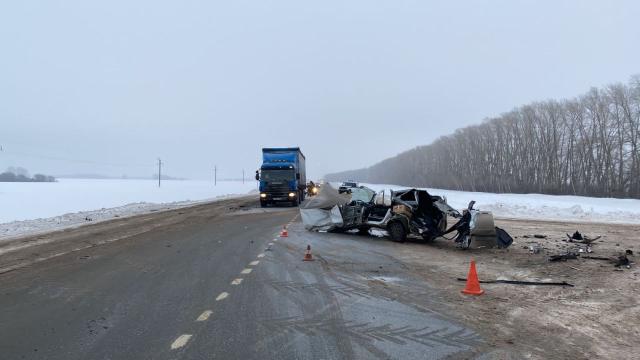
pixel 292 194
pixel 315 190
pixel 263 195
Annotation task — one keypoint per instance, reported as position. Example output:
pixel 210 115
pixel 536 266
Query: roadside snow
pixel 33 208
pixel 541 207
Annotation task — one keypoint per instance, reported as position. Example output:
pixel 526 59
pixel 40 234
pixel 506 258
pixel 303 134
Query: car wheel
pixel 363 231
pixel 427 237
pixel 396 231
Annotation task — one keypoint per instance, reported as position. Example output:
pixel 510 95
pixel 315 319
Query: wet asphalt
pixel 176 293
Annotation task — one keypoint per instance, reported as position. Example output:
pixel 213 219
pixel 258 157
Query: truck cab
pixel 282 176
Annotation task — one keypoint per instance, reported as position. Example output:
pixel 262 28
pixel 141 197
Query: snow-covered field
pixel 29 208
pixel 542 207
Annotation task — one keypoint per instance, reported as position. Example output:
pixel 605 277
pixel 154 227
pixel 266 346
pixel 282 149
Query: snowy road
pixel 206 283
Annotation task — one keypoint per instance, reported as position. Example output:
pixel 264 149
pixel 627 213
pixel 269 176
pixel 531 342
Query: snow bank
pixel 542 207
pixel 31 208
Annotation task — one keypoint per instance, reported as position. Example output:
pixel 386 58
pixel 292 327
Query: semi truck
pixel 282 176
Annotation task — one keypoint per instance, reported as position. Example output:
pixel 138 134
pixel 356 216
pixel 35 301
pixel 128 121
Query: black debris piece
pixel 628 252
pixel 540 236
pixel 579 238
pixel 563 257
pixel 504 240
pixel 518 282
pixel 596 258
pixel 623 260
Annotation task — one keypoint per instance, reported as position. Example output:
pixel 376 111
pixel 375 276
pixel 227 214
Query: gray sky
pixel 198 83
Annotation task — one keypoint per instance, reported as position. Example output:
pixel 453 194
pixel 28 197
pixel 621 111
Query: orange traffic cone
pixel 307 254
pixel 284 232
pixel 473 284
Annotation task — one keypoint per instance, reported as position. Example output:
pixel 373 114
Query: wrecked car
pixel 402 213
pixel 346 186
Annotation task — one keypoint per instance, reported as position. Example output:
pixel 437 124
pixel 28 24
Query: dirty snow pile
pixel 31 208
pixel 541 207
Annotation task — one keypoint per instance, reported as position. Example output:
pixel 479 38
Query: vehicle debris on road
pixel 519 282
pixel 563 257
pixel 402 213
pixel 579 238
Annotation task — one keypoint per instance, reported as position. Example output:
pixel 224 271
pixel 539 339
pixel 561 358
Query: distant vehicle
pixel 347 185
pixel 312 188
pixel 282 176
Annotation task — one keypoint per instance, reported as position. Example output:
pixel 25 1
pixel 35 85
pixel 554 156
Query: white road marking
pixel 180 341
pixel 222 296
pixel 254 263
pixel 260 256
pixel 245 271
pixel 275 239
pixel 205 315
pixel 270 244
pixel 237 281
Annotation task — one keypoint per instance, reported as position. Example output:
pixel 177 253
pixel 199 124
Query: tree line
pixel 18 174
pixel 588 145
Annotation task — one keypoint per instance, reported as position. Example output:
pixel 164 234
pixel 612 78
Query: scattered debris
pixel 588 250
pixel 518 282
pixel 622 260
pixel 579 238
pixel 628 252
pixel 535 248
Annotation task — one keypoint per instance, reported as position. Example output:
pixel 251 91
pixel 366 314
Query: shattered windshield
pixel 278 175
pixel 362 194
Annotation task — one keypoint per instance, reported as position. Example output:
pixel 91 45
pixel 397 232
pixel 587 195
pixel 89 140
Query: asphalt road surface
pixel 217 282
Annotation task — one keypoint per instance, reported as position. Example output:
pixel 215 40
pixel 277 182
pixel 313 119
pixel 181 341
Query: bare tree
pixel 589 145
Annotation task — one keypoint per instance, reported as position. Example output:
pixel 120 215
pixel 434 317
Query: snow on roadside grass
pixel 32 208
pixel 541 207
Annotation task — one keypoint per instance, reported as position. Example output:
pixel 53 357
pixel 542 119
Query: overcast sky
pixel 107 87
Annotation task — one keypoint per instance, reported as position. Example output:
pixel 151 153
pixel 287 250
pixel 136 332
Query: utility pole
pixel 243 176
pixel 215 175
pixel 159 171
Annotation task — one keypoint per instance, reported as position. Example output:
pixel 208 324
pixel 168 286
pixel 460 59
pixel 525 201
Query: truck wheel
pixel 263 204
pixel 396 231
